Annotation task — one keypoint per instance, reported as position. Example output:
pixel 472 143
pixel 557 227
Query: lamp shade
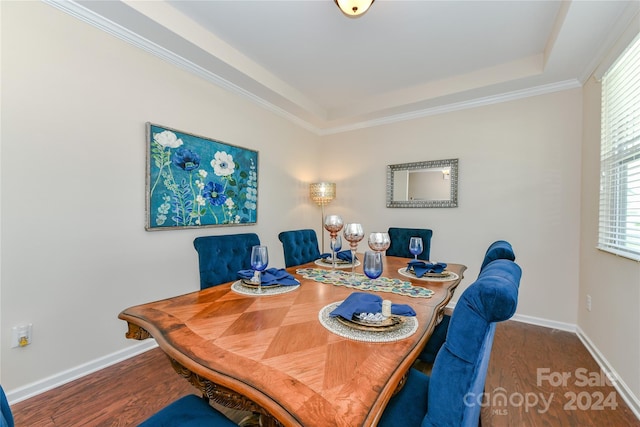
pixel 354 8
pixel 322 192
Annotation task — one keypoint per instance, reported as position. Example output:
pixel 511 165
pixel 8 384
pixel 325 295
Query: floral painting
pixel 198 182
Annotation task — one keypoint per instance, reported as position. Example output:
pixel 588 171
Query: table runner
pixel 362 282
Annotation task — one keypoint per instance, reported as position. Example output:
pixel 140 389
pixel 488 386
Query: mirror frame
pixel 451 203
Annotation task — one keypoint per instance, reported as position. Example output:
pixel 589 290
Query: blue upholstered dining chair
pixel 6 417
pixel 500 249
pixel 400 242
pixel 300 246
pixel 221 257
pixel 188 411
pixel 452 395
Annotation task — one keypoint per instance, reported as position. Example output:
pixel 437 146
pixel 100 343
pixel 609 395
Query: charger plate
pixel 243 289
pixel 408 327
pixel 445 276
pixel 389 324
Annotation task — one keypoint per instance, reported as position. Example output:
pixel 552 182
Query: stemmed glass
pixel 259 262
pixel 336 246
pixel 353 233
pixel 372 265
pixel 333 224
pixel 415 247
pixel 379 241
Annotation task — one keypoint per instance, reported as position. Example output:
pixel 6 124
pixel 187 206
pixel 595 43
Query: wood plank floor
pixel 129 392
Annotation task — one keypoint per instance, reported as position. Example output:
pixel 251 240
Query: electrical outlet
pixel 588 302
pixel 21 335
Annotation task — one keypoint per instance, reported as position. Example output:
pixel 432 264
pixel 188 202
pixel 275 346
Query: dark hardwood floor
pixel 524 387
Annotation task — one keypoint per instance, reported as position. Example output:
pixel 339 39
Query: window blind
pixel 619 223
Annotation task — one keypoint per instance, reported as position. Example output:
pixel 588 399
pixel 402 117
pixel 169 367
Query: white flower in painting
pixel 167 139
pixel 199 184
pixel 203 173
pixel 201 201
pixel 230 203
pixel 223 164
pixel 252 194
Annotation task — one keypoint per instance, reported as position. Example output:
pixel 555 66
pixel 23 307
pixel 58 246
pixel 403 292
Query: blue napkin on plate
pixel 342 255
pixel 420 267
pixel 271 276
pixel 359 302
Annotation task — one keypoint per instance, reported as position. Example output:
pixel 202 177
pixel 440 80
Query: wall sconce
pixel 322 193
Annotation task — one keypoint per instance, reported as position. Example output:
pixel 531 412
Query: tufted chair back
pixel 400 242
pixel 300 246
pixel 460 369
pixel 221 257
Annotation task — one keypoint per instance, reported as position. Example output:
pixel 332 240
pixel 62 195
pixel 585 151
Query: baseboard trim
pixel 621 387
pixel 46 384
pixel 538 321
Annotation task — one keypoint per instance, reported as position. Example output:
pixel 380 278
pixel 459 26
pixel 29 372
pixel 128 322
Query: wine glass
pixel 379 241
pixel 259 262
pixel 372 265
pixel 353 233
pixel 415 247
pixel 333 224
pixel 336 245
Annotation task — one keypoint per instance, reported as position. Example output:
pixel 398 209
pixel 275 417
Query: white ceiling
pixel 306 61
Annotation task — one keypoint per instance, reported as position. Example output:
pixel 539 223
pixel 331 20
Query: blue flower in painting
pixel 214 193
pixel 186 159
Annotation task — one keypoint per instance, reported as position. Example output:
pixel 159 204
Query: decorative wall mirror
pixel 431 184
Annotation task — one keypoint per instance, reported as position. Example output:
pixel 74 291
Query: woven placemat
pixel 239 288
pixel 408 328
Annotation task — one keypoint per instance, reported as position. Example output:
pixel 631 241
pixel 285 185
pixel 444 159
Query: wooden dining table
pixel 271 354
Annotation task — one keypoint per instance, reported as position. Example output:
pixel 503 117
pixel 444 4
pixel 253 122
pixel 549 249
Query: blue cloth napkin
pixel 271 276
pixel 359 302
pixel 342 255
pixel 420 267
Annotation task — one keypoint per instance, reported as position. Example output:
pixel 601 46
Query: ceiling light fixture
pixel 354 8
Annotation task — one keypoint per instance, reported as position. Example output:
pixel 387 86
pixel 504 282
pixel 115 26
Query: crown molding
pixel 88 16
pixel 457 106
pixel 82 13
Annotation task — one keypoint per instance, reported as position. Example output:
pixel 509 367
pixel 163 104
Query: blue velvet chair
pixel 221 257
pixel 188 411
pixel 500 249
pixel 451 396
pixel 400 242
pixel 300 246
pixel 6 417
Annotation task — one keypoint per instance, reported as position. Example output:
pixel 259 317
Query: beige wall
pixel 519 180
pixel 74 251
pixel 613 282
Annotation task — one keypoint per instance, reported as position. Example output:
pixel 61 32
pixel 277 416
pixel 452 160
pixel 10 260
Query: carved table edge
pixel 135 332
pixel 224 396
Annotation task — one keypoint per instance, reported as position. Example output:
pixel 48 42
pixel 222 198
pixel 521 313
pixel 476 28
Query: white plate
pixel 447 278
